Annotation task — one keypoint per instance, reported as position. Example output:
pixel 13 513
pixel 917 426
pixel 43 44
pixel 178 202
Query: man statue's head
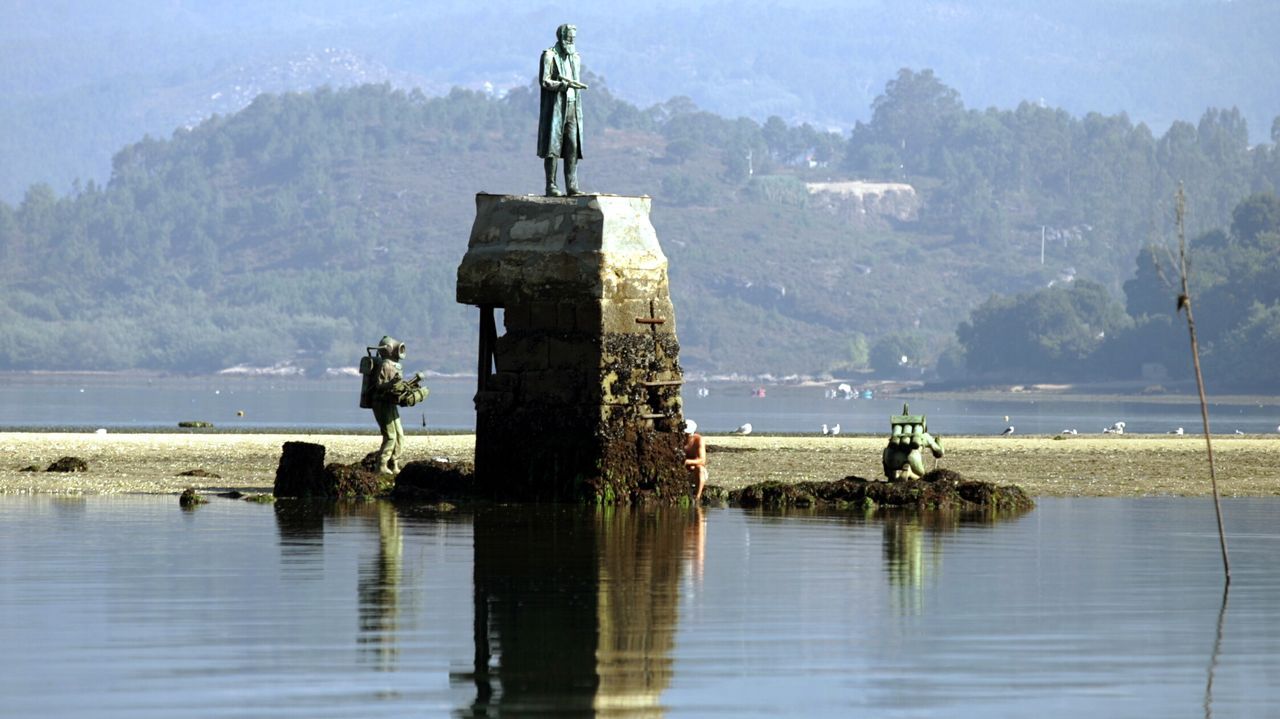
pixel 565 35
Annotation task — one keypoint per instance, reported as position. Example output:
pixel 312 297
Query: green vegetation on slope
pixel 308 225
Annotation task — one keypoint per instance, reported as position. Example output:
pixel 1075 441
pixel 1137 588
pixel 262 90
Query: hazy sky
pixel 82 78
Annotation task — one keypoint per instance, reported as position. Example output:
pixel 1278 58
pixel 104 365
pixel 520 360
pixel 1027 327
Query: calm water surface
pixel 128 606
pixel 131 402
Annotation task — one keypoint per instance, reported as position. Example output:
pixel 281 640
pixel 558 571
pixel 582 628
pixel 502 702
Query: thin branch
pixel 1184 305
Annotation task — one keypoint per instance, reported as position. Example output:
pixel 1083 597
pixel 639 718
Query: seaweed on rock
pixel 948 491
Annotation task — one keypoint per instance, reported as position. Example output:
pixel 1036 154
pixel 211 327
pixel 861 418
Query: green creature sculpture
pixel 560 119
pixel 903 458
pixel 385 391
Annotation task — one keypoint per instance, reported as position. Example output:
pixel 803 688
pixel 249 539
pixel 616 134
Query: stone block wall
pixel 582 399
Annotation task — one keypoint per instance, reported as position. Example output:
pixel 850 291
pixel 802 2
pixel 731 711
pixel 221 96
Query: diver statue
pixel 903 458
pixel 384 390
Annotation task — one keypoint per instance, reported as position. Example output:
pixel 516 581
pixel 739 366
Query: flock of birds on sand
pixel 1115 428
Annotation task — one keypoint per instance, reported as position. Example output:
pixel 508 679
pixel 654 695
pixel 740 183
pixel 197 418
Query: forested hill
pixel 308 225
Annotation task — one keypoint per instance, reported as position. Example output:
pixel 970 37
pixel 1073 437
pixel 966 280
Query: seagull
pixel 100 430
pixel 1179 431
pixel 1007 431
pixel 825 430
pixel 835 430
pixel 1239 432
pixel 1069 431
pixel 744 429
pixel 1117 428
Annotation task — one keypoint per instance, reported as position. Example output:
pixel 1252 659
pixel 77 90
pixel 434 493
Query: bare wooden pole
pixel 1184 305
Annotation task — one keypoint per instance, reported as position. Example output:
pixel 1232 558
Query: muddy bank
pixel 1132 465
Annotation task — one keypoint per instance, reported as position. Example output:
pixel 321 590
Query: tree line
pixel 308 222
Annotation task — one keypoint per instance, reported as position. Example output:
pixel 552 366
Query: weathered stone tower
pixel 579 399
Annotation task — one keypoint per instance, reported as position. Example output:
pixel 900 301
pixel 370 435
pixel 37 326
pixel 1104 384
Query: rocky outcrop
pixel 302 473
pixel 68 464
pixel 435 481
pixel 949 492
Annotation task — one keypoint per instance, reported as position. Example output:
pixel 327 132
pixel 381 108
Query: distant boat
pixel 868 394
pixel 758 392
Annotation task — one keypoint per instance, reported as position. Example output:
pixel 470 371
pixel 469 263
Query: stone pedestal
pixel 578 399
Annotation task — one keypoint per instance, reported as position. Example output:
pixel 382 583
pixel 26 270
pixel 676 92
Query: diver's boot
pixel 571 175
pixel 549 167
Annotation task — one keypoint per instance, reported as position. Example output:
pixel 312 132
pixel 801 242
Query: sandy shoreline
pixel 1132 465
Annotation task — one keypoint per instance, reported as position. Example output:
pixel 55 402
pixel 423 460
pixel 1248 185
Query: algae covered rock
pixel 199 473
pixel 435 480
pixel 940 489
pixel 69 464
pixel 351 481
pixel 189 499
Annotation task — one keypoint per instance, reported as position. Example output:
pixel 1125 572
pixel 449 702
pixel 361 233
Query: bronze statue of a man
pixel 560 121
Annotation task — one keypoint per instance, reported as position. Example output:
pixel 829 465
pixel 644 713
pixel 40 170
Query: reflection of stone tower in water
pixel 579 398
pixel 576 611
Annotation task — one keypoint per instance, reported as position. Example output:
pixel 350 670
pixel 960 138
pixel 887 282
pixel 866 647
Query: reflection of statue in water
pixel 384 391
pixel 903 458
pixel 378 588
pixel 909 561
pixel 560 119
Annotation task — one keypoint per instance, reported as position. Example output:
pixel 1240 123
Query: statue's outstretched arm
pixel 545 76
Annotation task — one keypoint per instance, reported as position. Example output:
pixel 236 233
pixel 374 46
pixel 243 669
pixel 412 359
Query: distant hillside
pixel 308 225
